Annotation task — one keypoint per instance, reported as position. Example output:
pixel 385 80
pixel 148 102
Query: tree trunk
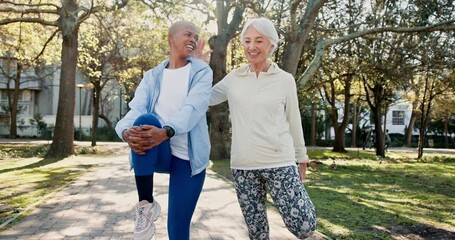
pixel 107 121
pixel 62 143
pixel 299 34
pixel 378 133
pixel 340 129
pixel 410 128
pixel 421 143
pixel 385 125
pixel 313 125
pixel 291 55
pixel 339 144
pixel 96 113
pixel 15 103
pixel 220 135
pixel 423 120
pixel 354 126
pixel 446 132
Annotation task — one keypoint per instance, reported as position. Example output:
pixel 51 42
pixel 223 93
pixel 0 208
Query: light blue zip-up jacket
pixel 191 118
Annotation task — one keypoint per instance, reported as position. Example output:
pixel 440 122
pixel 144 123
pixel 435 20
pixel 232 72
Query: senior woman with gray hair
pixel 267 136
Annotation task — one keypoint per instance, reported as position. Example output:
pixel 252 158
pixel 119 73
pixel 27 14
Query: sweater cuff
pixel 123 131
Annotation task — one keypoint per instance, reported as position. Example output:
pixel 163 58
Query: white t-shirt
pixel 174 89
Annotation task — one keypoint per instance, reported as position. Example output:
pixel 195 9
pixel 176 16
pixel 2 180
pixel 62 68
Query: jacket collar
pixel 245 69
pixel 196 64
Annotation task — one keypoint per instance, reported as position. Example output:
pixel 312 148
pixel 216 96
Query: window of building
pixel 397 117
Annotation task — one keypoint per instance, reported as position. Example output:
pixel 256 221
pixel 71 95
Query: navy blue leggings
pixel 184 189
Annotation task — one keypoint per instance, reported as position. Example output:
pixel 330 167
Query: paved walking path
pixel 100 205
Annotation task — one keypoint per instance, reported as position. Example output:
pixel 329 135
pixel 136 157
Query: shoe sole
pixel 147 235
pixel 158 212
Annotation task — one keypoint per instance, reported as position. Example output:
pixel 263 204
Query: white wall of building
pixel 44 100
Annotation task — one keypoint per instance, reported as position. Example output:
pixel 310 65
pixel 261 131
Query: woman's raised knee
pixel 147 119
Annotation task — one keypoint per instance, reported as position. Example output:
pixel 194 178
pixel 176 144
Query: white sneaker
pixel 146 214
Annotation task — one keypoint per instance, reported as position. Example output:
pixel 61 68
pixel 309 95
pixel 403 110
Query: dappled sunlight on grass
pixel 22 188
pixel 4 164
pixel 360 196
pixel 384 193
pixel 327 154
pixel 26 180
pixel 334 228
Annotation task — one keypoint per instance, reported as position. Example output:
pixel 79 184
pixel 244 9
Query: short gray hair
pixel 265 27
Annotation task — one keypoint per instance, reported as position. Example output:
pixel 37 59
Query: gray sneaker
pixel 146 214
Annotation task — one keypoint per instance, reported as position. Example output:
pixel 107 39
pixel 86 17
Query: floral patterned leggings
pixel 288 194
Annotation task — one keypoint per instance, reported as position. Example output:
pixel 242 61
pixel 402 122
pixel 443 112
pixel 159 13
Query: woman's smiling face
pixel 256 46
pixel 183 40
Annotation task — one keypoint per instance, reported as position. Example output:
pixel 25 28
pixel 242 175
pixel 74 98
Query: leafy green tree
pixel 339 72
pixel 444 112
pixel 66 17
pixel 23 57
pixel 383 17
pixel 112 49
pixel 435 75
pixel 97 48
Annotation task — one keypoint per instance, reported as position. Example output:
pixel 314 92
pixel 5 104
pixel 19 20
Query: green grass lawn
pixel 25 177
pixel 359 196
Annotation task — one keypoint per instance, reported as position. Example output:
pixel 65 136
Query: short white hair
pixel 265 27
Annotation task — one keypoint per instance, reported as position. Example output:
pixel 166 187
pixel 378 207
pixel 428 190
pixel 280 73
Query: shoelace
pixel 140 223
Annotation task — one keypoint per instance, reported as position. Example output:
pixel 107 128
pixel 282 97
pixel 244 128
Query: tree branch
pixel 235 22
pixel 29 20
pixel 45 44
pixel 94 9
pixel 324 43
pixel 27 11
pixel 307 21
pixel 29 5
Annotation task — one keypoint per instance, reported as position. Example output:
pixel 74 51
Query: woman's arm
pixel 295 127
pixel 195 105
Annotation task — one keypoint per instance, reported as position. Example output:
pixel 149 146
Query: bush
pixel 324 143
pixel 108 135
pixel 87 150
pixel 20 151
pixel 104 134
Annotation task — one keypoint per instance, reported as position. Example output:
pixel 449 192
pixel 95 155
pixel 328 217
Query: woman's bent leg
pixel 184 191
pixel 292 200
pixel 147 210
pixel 144 165
pixel 251 194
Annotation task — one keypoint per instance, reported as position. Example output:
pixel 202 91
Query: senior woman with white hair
pixel 267 136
